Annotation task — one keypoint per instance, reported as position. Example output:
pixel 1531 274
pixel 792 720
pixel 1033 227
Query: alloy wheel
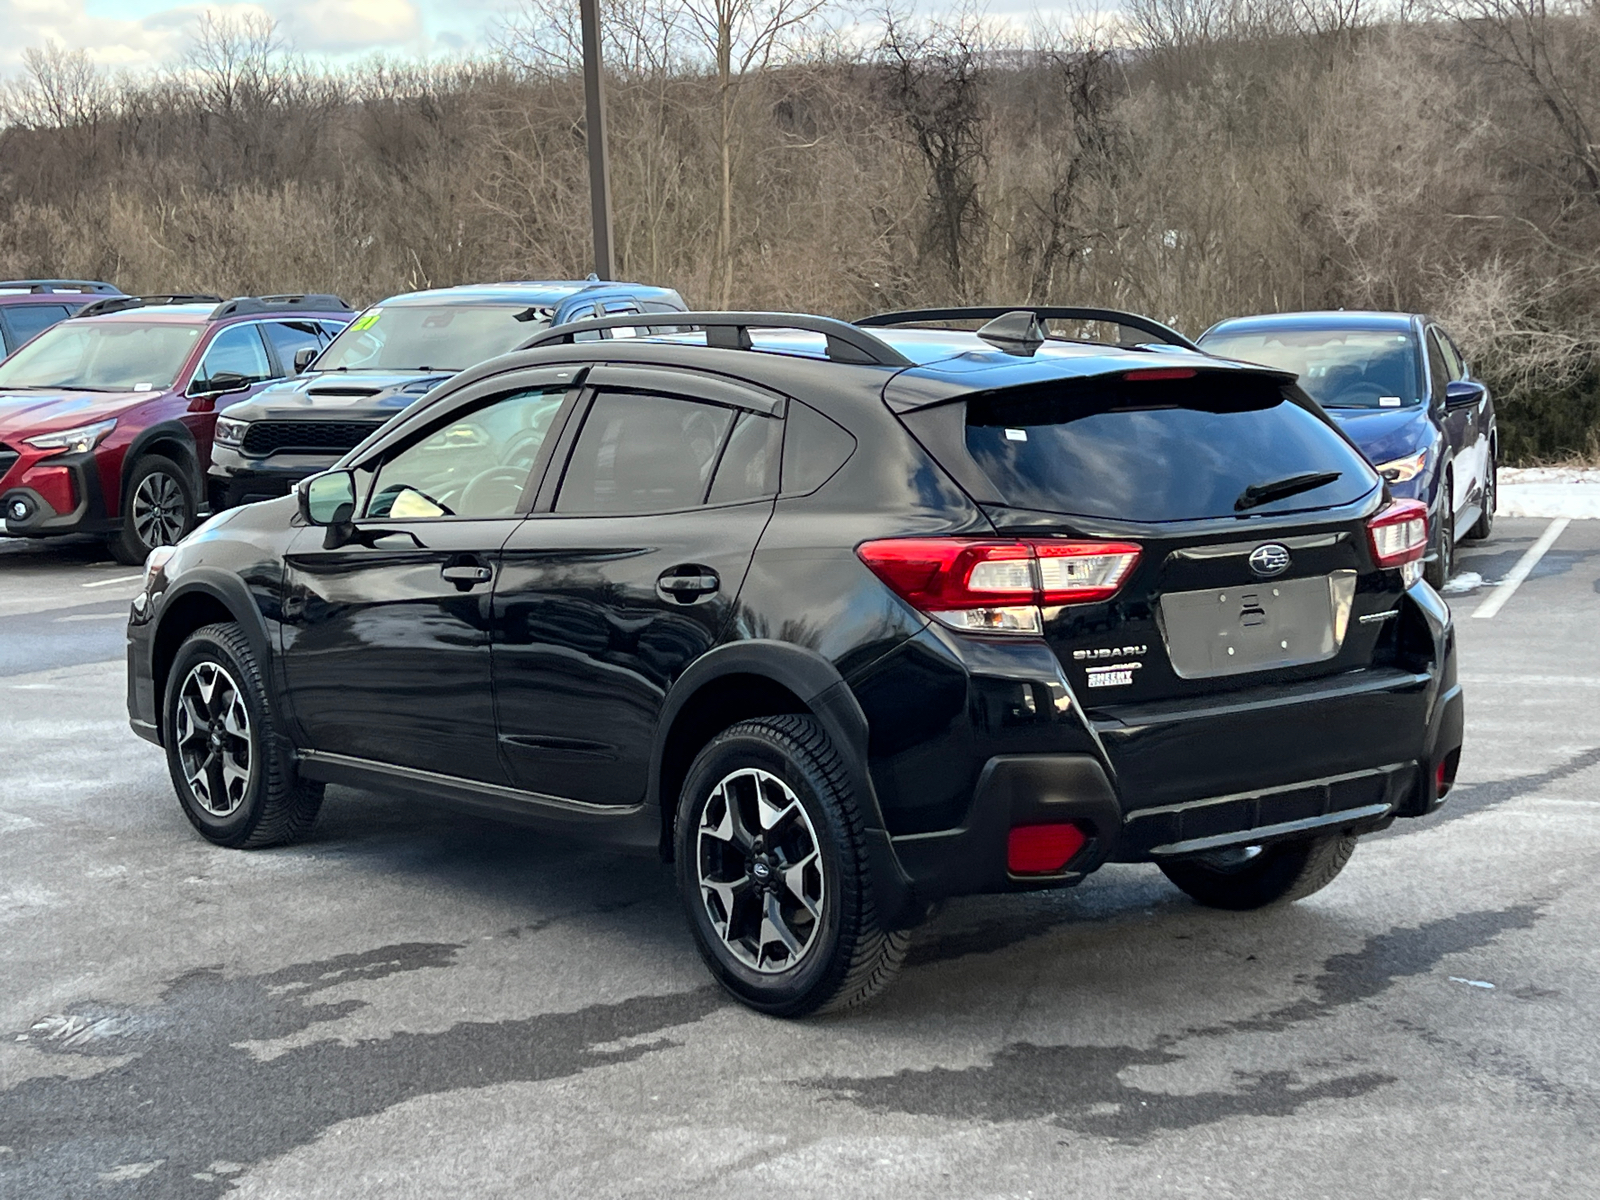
pixel 760 870
pixel 215 744
pixel 159 510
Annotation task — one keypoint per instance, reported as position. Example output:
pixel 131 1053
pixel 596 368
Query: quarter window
pixel 641 453
pixel 478 464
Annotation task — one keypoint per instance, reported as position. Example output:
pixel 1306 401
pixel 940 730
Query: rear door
pixel 386 637
pixel 629 573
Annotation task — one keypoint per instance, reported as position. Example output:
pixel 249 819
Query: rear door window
pixel 25 321
pixel 640 453
pixel 287 337
pixel 1157 450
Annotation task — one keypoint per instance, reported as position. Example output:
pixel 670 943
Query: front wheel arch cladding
pixel 204 596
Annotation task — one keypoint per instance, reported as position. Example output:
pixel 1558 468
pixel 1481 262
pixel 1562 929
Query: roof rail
pixel 1164 334
pixel 92 286
pixel 846 343
pixel 241 306
pixel 111 304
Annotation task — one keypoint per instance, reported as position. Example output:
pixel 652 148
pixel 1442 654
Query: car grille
pixel 8 456
pixel 271 437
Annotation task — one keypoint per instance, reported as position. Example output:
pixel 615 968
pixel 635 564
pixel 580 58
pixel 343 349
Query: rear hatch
pixel 1255 579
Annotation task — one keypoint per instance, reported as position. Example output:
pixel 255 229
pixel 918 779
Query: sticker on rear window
pixel 366 320
pixel 1016 435
pixel 1388 401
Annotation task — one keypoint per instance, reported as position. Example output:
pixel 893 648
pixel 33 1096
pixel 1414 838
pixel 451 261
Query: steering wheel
pixel 1357 395
pixel 495 492
pixel 523 449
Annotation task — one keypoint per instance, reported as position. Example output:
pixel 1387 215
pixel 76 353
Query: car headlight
pixel 84 437
pixel 1399 470
pixel 231 432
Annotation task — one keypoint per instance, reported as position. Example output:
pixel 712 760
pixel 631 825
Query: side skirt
pixel 631 827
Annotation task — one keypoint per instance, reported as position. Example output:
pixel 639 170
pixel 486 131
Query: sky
pixel 137 34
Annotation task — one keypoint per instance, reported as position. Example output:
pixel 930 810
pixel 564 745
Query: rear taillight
pixel 1399 534
pixel 997 586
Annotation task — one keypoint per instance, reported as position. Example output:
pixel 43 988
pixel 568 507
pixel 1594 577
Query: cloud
pixel 337 26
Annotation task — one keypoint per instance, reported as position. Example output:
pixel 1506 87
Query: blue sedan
pixel 1400 389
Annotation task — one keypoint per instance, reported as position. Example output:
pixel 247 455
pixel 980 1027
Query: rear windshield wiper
pixel 1265 493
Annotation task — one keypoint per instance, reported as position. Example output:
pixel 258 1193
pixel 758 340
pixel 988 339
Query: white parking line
pixel 109 582
pixel 1508 586
pixel 112 616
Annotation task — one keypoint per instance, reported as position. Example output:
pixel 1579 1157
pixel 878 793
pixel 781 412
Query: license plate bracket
pixel 1258 626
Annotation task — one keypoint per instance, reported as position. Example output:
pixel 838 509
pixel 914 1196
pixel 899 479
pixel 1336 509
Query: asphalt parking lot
pixel 416 1003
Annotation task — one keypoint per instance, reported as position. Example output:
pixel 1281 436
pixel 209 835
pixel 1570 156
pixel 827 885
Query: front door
pixel 386 637
pixel 604 600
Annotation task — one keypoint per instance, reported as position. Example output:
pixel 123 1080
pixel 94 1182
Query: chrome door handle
pixel 466 576
pixel 687 584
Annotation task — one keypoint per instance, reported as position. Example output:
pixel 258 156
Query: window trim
pixel 468 400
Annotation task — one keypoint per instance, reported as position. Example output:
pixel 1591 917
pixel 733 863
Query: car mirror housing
pixel 219 384
pixel 303 358
pixel 1459 393
pixel 328 499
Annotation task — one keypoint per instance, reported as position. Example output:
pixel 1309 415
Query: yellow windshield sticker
pixel 366 320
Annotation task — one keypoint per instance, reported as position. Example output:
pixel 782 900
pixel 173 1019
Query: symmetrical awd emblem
pixel 1269 560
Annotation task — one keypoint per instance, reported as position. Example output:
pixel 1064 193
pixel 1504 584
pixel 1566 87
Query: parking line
pixel 109 582
pixel 1508 586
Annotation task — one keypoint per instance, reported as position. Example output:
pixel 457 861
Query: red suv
pixel 106 418
pixel 30 306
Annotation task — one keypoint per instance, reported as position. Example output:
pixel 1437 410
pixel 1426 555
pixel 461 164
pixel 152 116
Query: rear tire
pixel 1273 874
pixel 1484 525
pixel 159 507
pixel 222 743
pixel 773 870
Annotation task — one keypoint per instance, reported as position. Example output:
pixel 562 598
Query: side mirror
pixel 1463 393
pixel 304 357
pixel 328 499
pixel 219 384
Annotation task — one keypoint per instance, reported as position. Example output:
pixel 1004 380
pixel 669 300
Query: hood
pixel 24 414
pixel 1384 434
pixel 339 396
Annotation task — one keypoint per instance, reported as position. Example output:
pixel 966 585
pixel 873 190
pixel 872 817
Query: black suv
pixel 843 620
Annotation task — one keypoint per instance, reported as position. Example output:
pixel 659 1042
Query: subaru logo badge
pixel 1269 560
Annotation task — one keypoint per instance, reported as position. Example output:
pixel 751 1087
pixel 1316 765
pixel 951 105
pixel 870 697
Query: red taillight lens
pixel 997 586
pixel 1042 849
pixel 1399 534
pixel 1155 374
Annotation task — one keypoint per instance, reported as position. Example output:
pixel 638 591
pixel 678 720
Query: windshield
pixel 1338 368
pixel 111 356
pixel 442 337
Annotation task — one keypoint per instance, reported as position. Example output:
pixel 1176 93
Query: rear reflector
pixel 1399 534
pixel 1042 849
pixel 997 586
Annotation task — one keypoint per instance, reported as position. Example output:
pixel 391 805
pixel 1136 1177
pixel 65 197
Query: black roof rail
pixel 846 343
pixel 1164 334
pixel 111 304
pixel 242 306
pixel 92 286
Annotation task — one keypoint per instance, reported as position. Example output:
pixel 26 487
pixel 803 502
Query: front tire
pixel 1253 877
pixel 773 870
pixel 159 509
pixel 222 746
pixel 1438 572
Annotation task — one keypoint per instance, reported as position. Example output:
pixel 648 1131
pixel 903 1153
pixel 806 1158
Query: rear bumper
pixel 1344 754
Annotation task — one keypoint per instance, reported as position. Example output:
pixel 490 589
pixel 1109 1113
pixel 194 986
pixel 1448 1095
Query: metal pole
pixel 594 108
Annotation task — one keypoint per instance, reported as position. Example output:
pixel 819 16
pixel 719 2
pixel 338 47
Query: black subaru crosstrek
pixel 842 620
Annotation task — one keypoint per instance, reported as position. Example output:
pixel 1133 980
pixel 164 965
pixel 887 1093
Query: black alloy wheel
pixel 1247 877
pixel 159 510
pixel 221 738
pixel 1484 525
pixel 773 870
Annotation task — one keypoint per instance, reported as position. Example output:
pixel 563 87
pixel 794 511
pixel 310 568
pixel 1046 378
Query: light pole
pixel 594 109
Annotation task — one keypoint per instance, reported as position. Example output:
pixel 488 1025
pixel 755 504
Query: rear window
pixel 1168 450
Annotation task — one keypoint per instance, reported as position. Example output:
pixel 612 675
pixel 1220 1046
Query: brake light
pixel 1399 534
pixel 1155 374
pixel 988 586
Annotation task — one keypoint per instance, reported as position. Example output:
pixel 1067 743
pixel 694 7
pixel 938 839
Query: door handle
pixel 467 576
pixel 687 584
